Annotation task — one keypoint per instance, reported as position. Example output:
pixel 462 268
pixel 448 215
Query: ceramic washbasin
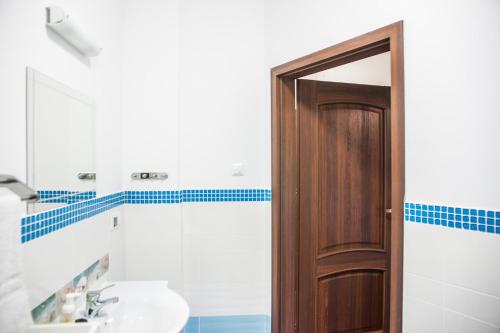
pixel 64 328
pixel 146 307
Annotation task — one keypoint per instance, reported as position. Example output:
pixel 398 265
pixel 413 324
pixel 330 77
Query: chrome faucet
pixel 95 303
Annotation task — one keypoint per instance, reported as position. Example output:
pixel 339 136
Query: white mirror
pixel 61 142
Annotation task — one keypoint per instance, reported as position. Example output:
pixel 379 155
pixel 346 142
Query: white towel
pixel 14 308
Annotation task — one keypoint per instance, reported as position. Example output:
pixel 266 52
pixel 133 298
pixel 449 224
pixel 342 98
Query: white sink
pixel 64 328
pixel 146 307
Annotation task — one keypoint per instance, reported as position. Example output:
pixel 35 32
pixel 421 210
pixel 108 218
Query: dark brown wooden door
pixel 344 195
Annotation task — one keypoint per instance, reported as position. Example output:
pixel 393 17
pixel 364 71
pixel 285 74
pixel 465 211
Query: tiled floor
pixel 229 324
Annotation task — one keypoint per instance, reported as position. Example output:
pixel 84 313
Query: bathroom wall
pixel 153 233
pixel 24 35
pixel 53 260
pixel 451 275
pixel 192 80
pixel 194 123
pixel 225 53
pixel 224 119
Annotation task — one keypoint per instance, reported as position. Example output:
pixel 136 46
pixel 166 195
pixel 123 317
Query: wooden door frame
pixel 285 172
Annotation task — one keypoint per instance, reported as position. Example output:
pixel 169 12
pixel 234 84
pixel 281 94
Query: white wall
pixel 225 52
pixel 53 260
pixel 224 119
pixel 150 40
pixel 226 257
pixel 186 112
pixel 153 244
pixel 24 36
pixel 153 233
pixel 195 98
pixel 450 280
pixel 223 86
pixel 374 70
pixel 451 66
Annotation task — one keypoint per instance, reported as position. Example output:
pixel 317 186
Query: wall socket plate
pixel 237 169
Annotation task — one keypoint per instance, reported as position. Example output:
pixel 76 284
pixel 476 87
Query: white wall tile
pixel 420 317
pixel 153 243
pixel 226 257
pixel 424 250
pixel 91 239
pixel 49 264
pixel 455 271
pixel 470 260
pixel 474 304
pixel 226 218
pixel 458 323
pixel 423 289
pixel 55 259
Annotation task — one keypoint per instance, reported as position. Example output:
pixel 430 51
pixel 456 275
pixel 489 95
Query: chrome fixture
pixel 18 187
pixel 149 175
pixel 87 175
pixel 95 303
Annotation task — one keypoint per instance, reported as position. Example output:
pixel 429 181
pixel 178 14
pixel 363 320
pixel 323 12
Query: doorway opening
pixel 338 188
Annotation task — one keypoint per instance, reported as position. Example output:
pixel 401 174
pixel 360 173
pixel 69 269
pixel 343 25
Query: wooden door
pixel 344 202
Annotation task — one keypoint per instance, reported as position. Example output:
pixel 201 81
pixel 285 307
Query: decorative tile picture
pixel 49 311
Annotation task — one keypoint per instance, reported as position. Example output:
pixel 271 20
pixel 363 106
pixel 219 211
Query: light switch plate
pixel 237 169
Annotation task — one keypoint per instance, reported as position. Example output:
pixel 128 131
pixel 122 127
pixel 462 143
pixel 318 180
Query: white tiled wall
pixel 451 280
pixel 153 243
pixel 55 259
pixel 451 276
pixel 226 257
pixel 215 254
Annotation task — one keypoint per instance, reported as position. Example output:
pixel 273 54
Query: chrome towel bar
pixel 18 187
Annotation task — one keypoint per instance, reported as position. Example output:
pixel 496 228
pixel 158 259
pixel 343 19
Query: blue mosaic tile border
pixel 218 195
pixel 47 194
pixel 224 195
pixel 41 224
pixel 229 324
pixel 472 219
pixel 153 197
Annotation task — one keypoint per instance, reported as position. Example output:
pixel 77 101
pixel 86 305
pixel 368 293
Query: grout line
pixel 482 293
pixel 470 317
